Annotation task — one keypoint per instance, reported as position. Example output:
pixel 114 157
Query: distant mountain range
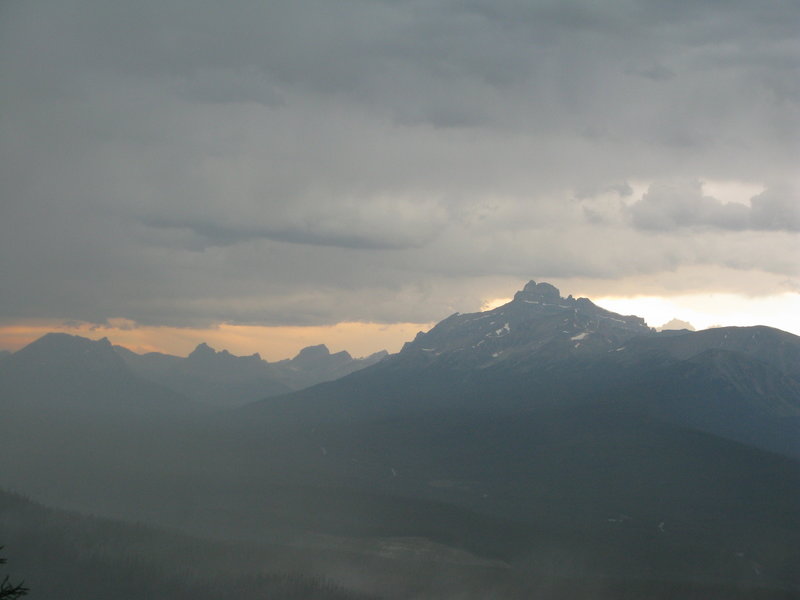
pixel 547 440
pixel 72 369
pixel 221 379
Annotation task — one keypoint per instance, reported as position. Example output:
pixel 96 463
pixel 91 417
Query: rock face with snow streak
pixel 544 351
pixel 537 321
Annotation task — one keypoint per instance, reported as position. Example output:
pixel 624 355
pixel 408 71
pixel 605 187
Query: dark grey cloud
pixel 777 209
pixel 368 227
pixel 672 206
pixel 179 162
pixel 666 207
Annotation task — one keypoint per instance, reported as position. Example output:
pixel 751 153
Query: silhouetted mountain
pixel 315 355
pixel 216 379
pixel 4 354
pixel 316 364
pixel 67 372
pixel 220 379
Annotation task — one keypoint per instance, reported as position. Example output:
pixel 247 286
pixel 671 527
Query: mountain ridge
pixel 210 378
pixel 543 350
pixel 65 372
pixel 221 379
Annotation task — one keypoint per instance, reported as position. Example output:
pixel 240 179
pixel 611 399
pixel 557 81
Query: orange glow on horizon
pixel 272 343
pixel 361 339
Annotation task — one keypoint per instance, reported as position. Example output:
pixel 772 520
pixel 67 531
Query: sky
pixel 261 174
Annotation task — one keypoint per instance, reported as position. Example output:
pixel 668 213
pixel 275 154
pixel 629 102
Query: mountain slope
pixel 541 350
pixel 215 379
pixel 316 364
pixel 219 379
pixel 66 372
pixel 552 410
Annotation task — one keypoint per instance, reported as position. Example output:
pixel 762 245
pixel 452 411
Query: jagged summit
pixel 204 351
pixel 538 292
pixel 547 294
pixel 537 319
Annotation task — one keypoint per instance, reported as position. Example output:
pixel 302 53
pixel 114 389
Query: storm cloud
pixel 184 163
pixel 664 207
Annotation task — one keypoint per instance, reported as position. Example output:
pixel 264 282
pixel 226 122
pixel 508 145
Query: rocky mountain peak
pixel 205 356
pixel 312 352
pixel 202 350
pixel 538 320
pixel 66 347
pixel 540 292
pixel 66 356
pixel 319 356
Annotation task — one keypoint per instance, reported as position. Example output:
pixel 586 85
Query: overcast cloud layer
pixel 188 162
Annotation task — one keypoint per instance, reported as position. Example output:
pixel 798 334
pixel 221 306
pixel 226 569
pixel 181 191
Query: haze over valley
pixel 545 446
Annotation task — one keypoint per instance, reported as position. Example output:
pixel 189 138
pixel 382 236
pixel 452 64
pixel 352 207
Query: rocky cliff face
pixel 538 321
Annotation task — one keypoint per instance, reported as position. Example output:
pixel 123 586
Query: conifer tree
pixel 8 590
